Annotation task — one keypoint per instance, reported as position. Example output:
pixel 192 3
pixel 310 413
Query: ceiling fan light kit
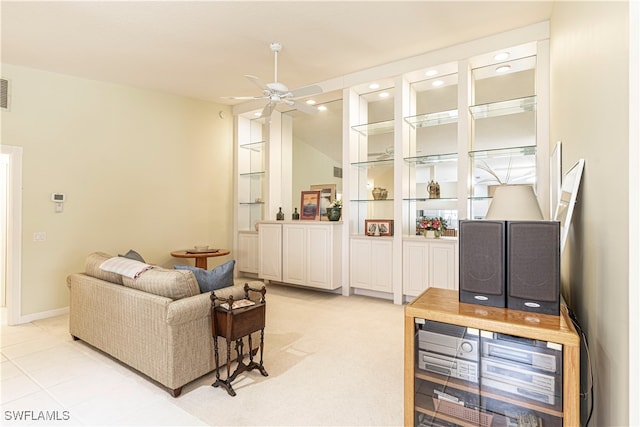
pixel 278 93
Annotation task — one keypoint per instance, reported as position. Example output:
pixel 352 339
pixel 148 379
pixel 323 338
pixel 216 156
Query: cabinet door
pixel 294 249
pixel 320 257
pixel 371 264
pixel 270 251
pixel 442 265
pixel 415 267
pixel 382 266
pixel 247 256
pixel 360 257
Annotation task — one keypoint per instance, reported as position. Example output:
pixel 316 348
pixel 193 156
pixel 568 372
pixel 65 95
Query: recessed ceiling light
pixel 501 56
pixel 431 73
pixel 257 113
pixel 374 86
pixel 503 68
pixel 310 102
pixel 384 94
pixel 322 108
pixel 438 83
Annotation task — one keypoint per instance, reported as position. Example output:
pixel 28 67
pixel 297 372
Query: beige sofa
pixel 159 324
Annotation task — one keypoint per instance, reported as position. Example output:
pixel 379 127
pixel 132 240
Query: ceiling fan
pixel 383 155
pixel 276 92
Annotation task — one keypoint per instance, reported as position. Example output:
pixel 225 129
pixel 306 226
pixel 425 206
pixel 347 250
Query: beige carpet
pixel 332 360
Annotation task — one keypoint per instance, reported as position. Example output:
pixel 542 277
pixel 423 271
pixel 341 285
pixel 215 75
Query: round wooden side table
pixel 200 257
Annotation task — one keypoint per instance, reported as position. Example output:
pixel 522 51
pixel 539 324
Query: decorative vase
pixel 432 234
pixel 334 214
pixel 295 215
pixel 280 215
pixel 379 193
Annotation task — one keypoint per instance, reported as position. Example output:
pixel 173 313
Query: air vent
pixel 337 172
pixel 4 94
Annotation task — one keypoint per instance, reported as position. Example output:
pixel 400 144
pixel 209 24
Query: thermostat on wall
pixel 57 197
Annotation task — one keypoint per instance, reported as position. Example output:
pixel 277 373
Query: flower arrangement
pixel 337 203
pixel 436 224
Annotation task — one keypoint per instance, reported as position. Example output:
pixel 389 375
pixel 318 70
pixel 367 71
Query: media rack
pixel 484 404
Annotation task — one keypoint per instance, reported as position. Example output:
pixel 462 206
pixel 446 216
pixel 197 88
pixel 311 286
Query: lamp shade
pixel 516 203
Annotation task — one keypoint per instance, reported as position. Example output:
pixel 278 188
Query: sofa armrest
pixel 188 309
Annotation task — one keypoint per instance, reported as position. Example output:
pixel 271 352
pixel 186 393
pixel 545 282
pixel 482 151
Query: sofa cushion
pixel 92 268
pixel 174 284
pixel 125 266
pixel 211 280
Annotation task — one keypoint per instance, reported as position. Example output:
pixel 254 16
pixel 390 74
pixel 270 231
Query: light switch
pixel 39 236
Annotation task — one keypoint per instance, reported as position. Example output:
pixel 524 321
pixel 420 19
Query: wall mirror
pixel 568 195
pixel 317 146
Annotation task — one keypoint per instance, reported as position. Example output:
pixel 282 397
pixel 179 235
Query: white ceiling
pixel 202 49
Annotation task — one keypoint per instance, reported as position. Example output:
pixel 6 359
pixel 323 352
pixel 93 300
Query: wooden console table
pixel 234 324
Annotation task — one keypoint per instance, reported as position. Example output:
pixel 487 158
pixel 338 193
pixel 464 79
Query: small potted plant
pixel 334 211
pixel 433 227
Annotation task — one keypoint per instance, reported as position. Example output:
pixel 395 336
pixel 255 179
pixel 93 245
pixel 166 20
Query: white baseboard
pixel 43 315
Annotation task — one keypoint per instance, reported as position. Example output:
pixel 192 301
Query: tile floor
pixel 332 360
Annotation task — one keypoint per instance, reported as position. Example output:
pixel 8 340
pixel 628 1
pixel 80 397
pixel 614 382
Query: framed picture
pixel 378 227
pixel 327 195
pixel 310 205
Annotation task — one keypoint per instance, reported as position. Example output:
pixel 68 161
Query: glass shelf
pixel 372 200
pixel 503 108
pixel 251 203
pixel 528 150
pixel 254 146
pixel 253 174
pixel 432 119
pixel 373 163
pixel 426 199
pixel 377 128
pixel 431 159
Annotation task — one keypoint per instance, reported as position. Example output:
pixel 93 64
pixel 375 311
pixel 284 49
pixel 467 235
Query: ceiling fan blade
pixel 267 110
pixel 305 91
pixel 245 97
pixel 256 81
pixel 302 107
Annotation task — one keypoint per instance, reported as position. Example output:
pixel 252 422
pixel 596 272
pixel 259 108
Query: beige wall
pixel 141 169
pixel 590 115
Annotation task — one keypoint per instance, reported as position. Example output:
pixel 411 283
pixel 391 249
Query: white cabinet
pixel 247 254
pixel 429 263
pixel 309 253
pixel 270 251
pixel 371 264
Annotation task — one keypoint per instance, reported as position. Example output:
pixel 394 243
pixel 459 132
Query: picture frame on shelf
pixel 378 227
pixel 310 205
pixel 327 196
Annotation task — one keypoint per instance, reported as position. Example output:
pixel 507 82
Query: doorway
pixel 11 231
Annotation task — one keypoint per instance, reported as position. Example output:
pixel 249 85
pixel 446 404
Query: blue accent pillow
pixel 211 280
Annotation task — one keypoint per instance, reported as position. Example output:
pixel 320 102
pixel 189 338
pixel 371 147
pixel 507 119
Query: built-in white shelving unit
pixel 466 125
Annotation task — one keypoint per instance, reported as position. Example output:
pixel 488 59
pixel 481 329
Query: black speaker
pixel 482 260
pixel 533 266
